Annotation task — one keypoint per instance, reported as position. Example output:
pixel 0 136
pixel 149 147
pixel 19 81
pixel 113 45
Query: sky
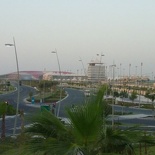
pixel 121 30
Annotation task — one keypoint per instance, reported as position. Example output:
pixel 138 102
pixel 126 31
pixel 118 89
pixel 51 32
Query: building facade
pixel 96 72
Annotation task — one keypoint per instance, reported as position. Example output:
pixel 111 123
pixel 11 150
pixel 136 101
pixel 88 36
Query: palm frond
pixel 53 146
pixel 87 120
pixel 46 124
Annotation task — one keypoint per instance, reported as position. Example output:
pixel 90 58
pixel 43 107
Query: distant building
pixel 96 71
pixel 66 76
pixel 48 75
pixel 23 75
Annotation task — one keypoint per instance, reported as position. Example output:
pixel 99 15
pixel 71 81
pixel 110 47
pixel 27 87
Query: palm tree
pixel 116 140
pixel 30 95
pixel 86 133
pixel 79 137
pixel 144 140
pixel 5 109
pixel 133 96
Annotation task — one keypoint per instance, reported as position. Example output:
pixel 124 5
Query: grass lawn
pixel 149 150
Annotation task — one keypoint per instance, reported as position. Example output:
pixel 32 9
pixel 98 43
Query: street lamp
pixel 123 73
pixel 129 71
pixel 106 82
pixel 100 66
pixel 60 81
pixel 120 73
pixel 117 73
pixel 100 56
pixel 17 107
pixel 140 85
pixel 136 72
pixel 83 66
pixel 113 72
pixel 141 69
pixel 129 78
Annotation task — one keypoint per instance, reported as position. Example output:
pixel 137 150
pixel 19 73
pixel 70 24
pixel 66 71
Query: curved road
pixel 12 99
pixel 75 97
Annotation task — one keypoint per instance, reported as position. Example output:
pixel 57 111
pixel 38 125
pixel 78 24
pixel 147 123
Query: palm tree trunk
pixel 145 149
pixel 145 145
pixel 140 148
pixel 3 127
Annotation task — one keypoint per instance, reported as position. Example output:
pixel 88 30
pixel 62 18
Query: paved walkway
pixel 124 117
pixel 140 98
pixel 133 116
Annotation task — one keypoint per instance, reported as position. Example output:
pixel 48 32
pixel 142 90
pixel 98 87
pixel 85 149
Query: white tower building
pixel 96 71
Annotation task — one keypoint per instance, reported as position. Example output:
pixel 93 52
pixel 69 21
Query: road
pixel 12 99
pixel 134 110
pixel 141 117
pixel 75 97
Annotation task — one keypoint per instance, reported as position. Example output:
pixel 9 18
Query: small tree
pixel 116 94
pixel 5 109
pixel 151 96
pixel 133 96
pixel 30 94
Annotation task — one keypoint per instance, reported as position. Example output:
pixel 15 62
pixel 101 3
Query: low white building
pixel 66 76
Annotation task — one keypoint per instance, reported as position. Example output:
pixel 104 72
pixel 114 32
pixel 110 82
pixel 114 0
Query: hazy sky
pixel 122 30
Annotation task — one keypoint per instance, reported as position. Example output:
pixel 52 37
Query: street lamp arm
pixel 83 66
pixel 9 44
pixel 16 59
pixel 58 64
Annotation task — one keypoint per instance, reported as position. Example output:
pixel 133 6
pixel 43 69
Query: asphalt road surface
pixel 75 97
pixel 12 99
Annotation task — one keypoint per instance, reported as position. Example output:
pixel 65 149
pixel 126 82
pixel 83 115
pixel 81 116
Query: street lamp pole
pixel 120 73
pixel 60 81
pixel 18 94
pixel 99 75
pixel 83 66
pixel 140 85
pixel 136 72
pixel 113 70
pixel 141 70
pixel 129 70
pixel 129 78
pixel 106 82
